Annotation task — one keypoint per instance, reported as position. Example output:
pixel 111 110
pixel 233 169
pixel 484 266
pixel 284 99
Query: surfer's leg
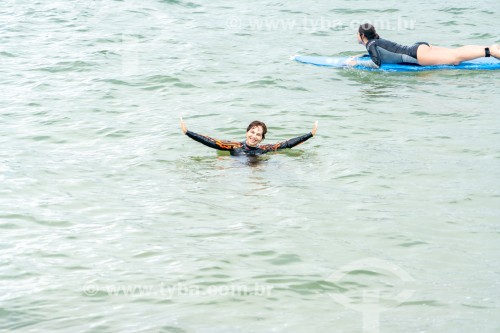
pixel 495 51
pixel 435 55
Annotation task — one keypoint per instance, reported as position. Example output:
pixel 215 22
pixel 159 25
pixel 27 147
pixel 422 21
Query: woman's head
pixel 256 132
pixel 368 31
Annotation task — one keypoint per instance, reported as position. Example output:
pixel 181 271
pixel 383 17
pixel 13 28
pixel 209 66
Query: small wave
pixel 7 54
pixel 363 11
pixel 69 66
pixel 181 3
pixel 285 259
pixel 456 10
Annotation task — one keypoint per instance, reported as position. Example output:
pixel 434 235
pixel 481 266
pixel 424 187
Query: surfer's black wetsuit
pixel 383 51
pixel 241 148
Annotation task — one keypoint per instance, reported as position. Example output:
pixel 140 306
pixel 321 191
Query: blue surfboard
pixel 340 62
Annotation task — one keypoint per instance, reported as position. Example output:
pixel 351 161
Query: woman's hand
pixel 315 128
pixel 351 62
pixel 183 126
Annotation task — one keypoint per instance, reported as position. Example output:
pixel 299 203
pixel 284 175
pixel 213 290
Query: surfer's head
pixel 256 132
pixel 367 31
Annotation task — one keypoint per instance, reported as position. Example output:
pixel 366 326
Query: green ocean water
pixel 111 220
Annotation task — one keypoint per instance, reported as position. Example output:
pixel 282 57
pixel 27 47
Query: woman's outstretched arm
pixel 183 126
pixel 292 142
pixel 208 141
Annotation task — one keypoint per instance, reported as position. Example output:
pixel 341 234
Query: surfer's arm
pixel 213 143
pixel 374 55
pixel 354 61
pixel 365 63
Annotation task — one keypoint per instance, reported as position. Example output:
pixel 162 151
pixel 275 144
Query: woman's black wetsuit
pixel 383 51
pixel 241 148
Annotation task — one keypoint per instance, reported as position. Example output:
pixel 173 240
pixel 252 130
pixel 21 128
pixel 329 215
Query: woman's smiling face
pixel 254 136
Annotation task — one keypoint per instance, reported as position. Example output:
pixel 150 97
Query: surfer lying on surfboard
pixel 383 51
pixel 256 132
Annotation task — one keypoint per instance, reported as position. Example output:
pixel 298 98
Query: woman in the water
pixel 256 132
pixel 383 51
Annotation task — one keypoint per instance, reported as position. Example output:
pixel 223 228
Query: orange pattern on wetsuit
pixel 222 144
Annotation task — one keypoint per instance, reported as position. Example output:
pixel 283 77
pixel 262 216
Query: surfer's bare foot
pixel 495 51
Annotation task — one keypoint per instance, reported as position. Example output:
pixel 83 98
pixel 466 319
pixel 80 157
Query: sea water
pixel 111 220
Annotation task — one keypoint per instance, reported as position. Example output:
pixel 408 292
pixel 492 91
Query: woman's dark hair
pixel 258 123
pixel 368 31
